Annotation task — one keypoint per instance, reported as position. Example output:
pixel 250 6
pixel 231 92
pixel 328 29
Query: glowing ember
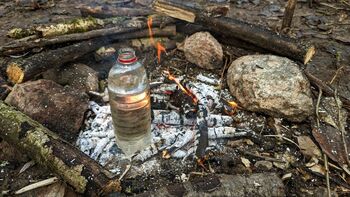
pixel 159 46
pixel 231 104
pixel 185 90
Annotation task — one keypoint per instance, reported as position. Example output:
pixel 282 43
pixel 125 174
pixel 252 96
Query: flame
pixel 233 105
pixel 160 49
pixel 159 46
pixel 185 90
pixel 150 32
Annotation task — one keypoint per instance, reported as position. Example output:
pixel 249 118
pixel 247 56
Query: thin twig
pixel 285 138
pixel 318 107
pixel 37 185
pixel 262 157
pixel 125 172
pixel 327 174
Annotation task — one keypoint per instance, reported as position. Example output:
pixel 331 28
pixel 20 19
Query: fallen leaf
pixel 308 147
pixel 330 141
pixel 328 112
pixel 318 169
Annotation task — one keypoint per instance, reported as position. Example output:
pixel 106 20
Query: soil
pixel 326 24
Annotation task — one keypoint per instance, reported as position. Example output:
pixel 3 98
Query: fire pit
pixel 188 119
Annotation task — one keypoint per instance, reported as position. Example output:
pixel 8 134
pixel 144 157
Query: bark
pixel 52 152
pixel 229 27
pixel 106 12
pixel 19 71
pixel 263 184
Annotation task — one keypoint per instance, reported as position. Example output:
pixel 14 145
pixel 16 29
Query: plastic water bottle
pixel 129 94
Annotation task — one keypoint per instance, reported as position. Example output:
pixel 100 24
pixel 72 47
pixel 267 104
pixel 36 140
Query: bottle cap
pixel 126 56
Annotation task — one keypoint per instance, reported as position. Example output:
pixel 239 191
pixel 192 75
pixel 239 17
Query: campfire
pixel 237 109
pixel 188 120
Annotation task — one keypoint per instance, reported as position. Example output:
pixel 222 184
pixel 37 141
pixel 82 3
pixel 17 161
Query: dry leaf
pixel 318 169
pixel 246 162
pixel 308 147
pixel 328 112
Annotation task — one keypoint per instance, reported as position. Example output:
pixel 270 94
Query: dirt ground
pixel 325 23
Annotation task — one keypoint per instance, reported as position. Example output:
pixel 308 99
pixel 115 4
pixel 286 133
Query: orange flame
pixel 150 32
pixel 160 49
pixel 159 46
pixel 234 106
pixel 185 90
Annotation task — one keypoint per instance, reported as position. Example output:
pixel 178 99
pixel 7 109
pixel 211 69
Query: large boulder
pixel 50 104
pixel 203 50
pixel 272 85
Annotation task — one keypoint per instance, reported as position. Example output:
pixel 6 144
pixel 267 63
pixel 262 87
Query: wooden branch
pixel 253 34
pixel 24 69
pixel 288 14
pixel 16 47
pixel 52 152
pixel 106 12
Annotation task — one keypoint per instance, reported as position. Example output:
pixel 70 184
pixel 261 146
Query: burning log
pixel 115 33
pixel 106 12
pixel 50 151
pixel 230 27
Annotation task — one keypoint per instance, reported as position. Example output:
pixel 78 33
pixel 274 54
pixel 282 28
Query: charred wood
pixel 229 27
pixel 52 152
pixel 19 71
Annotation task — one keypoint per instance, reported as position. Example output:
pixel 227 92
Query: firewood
pixel 25 69
pixel 52 152
pixel 116 33
pixel 288 14
pixel 106 12
pixel 229 27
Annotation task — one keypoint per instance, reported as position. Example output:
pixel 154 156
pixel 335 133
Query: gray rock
pixel 50 104
pixel 78 76
pixel 204 50
pixel 272 85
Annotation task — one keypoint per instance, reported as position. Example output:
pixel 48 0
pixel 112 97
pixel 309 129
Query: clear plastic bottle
pixel 129 96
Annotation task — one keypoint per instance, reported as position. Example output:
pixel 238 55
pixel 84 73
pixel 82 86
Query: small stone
pixel 263 164
pixel 204 50
pixel 78 76
pixel 272 85
pixel 50 104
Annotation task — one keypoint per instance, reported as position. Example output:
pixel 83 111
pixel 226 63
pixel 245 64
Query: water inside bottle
pixel 131 120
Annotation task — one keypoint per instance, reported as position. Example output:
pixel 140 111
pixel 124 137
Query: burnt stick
pixel 106 12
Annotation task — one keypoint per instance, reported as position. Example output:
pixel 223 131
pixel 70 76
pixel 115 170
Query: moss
pixel 20 33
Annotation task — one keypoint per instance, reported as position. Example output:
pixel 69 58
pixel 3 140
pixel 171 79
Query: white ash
pixel 170 131
pixel 172 117
pixel 208 79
